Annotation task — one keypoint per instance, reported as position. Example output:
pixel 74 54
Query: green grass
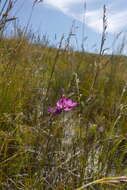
pixel 64 152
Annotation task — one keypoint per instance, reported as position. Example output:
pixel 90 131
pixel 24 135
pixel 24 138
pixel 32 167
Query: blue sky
pixel 55 17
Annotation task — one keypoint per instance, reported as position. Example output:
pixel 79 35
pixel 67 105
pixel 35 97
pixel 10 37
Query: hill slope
pixel 43 151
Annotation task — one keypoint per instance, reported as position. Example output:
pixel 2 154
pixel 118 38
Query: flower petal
pixel 54 110
pixel 68 108
pixel 50 109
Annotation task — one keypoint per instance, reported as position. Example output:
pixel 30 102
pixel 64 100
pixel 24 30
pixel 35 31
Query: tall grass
pixel 84 146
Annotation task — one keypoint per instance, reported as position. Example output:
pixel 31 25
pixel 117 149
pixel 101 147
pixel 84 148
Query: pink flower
pixel 64 104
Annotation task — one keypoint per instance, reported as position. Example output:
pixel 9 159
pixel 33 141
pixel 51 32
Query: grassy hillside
pixel 39 150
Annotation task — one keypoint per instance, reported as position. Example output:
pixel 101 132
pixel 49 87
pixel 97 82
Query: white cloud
pixel 62 5
pixel 116 18
pixel 94 19
pixel 115 21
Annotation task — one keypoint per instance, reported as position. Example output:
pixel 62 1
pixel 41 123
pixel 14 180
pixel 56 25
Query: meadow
pixel 83 148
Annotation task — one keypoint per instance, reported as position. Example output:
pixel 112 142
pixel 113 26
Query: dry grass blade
pixel 108 180
pixel 5 13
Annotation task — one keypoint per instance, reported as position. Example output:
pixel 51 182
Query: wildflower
pixel 64 104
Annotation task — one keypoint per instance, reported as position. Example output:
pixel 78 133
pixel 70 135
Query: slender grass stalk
pixel 109 181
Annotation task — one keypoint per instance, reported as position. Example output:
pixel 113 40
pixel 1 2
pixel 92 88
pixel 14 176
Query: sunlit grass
pixel 62 152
